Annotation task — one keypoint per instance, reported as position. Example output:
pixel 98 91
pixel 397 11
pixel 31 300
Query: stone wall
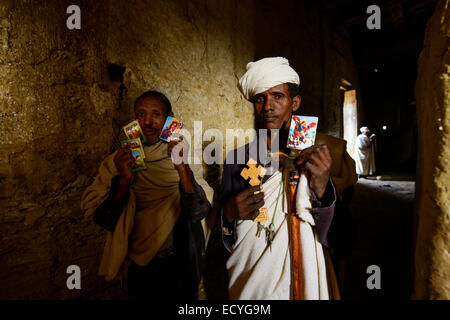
pixel 432 260
pixel 193 51
pixel 61 106
pixel 55 128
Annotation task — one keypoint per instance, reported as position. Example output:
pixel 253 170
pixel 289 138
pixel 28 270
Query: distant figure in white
pixel 365 162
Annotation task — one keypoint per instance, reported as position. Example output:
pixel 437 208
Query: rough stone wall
pixel 54 130
pixel 432 260
pixel 60 109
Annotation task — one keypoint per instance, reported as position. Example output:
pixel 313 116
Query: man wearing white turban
pixel 365 161
pixel 265 74
pixel 262 264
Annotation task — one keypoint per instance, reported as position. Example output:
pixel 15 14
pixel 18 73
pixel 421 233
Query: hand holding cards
pixel 314 159
pixel 134 144
pixel 137 152
pixel 136 138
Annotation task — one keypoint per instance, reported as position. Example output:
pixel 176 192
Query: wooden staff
pixel 296 249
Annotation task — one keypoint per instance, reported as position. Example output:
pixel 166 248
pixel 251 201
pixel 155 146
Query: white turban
pixel 266 73
pixel 364 129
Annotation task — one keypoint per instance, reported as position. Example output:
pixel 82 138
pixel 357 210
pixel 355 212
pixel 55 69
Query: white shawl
pixel 256 272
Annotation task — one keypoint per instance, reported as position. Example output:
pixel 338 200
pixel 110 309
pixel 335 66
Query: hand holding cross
pixel 256 173
pixel 246 205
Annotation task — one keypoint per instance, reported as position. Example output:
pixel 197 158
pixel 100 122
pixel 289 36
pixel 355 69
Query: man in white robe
pixel 365 162
pixel 256 268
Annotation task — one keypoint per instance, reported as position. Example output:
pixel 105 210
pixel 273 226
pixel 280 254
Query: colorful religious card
pixel 171 127
pixel 302 133
pixel 133 131
pixel 135 145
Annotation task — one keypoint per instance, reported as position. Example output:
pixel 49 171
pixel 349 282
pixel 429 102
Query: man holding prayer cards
pixel 277 230
pixel 156 240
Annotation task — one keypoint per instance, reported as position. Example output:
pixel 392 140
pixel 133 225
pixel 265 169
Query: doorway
pixel 350 116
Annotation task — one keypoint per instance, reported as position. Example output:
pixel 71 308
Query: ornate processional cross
pixel 256 173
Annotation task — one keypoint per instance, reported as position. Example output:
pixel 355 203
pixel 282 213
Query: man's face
pixel 151 115
pixel 274 107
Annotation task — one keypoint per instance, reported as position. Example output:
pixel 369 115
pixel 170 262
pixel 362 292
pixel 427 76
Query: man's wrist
pixel 182 168
pixel 228 222
pixel 229 218
pixel 124 183
pixel 186 176
pixel 120 190
pixel 319 191
pixel 328 197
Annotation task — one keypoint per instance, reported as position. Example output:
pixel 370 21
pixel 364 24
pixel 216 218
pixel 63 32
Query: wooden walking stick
pixel 296 249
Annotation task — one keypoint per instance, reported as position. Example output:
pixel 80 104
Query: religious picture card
pixel 171 127
pixel 133 131
pixel 137 152
pixel 133 144
pixel 302 133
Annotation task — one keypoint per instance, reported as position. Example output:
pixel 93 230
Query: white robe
pixel 256 272
pixel 365 162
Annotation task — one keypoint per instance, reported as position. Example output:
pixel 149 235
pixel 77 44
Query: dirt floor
pixel 383 212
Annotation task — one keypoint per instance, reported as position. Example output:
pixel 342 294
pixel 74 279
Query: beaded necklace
pixel 270 230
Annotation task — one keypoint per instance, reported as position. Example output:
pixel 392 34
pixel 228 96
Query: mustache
pixel 268 113
pixel 269 116
pixel 148 127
